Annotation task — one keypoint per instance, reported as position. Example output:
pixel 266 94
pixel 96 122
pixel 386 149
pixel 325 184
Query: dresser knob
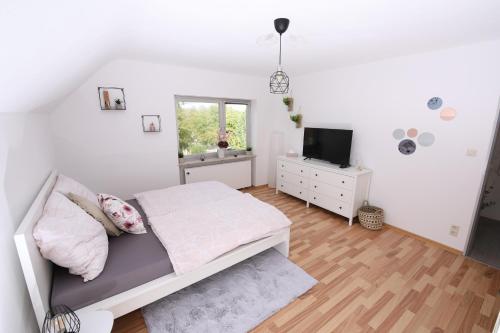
pixel 188 173
pixel 315 186
pixel 343 182
pixel 282 166
pixel 316 175
pixel 281 185
pixel 340 207
pixel 314 198
pixel 341 194
pixel 301 170
pixel 282 176
pixel 300 192
pixel 301 181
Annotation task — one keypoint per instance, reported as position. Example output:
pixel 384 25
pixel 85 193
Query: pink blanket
pixel 197 233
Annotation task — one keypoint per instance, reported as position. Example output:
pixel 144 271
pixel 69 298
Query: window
pixel 199 120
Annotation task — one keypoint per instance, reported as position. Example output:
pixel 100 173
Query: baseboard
pixel 255 187
pixel 401 231
pixel 424 239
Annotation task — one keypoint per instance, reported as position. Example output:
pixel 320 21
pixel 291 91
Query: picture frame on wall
pixel 112 98
pixel 151 123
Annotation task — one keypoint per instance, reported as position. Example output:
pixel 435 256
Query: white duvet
pixel 199 222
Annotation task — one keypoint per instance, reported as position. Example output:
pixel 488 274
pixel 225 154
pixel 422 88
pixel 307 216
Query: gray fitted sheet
pixel 132 260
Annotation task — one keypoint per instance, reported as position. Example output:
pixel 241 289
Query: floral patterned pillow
pixel 123 215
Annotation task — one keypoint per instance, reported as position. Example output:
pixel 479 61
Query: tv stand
pixel 337 189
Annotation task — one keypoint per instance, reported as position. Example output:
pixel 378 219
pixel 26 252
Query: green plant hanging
pixel 297 119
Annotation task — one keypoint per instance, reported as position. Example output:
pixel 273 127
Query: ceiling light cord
pixel 280 54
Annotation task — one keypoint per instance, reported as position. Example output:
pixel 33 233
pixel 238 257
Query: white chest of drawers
pixel 341 191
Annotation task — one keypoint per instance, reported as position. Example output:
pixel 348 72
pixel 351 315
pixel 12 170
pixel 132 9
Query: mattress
pixel 132 261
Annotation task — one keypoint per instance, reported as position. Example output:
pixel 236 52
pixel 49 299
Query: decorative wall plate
pixel 412 132
pixel 426 139
pixel 448 114
pixel 435 103
pixel 398 134
pixel 407 147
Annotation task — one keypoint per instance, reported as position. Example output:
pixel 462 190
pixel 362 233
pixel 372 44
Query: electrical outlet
pixel 472 152
pixel 454 229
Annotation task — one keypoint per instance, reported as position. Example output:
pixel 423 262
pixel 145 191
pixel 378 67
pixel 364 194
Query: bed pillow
pixel 71 238
pixel 67 185
pixel 96 212
pixel 123 215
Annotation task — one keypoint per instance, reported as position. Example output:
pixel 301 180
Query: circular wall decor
pixel 407 147
pixel 412 132
pixel 448 114
pixel 426 139
pixel 398 134
pixel 434 103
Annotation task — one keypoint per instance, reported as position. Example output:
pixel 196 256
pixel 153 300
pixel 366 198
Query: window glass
pixel 236 125
pixel 197 126
pixel 199 121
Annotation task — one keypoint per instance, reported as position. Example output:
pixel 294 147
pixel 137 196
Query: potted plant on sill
pixel 288 101
pixel 222 144
pixel 180 155
pixel 249 151
pixel 297 119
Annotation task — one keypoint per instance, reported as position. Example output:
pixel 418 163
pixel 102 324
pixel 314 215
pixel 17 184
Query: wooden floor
pixel 371 281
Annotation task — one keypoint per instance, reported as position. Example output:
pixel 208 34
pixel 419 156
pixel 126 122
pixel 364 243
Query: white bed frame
pixel 38 271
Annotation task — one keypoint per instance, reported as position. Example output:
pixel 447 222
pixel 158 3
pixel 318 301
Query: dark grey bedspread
pixel 132 260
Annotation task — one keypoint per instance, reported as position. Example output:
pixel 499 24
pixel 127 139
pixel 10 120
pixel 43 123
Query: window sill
pixel 214 160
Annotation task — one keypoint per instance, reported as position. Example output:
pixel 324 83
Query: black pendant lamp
pixel 279 80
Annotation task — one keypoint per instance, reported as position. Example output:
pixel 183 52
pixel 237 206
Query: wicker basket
pixel 371 217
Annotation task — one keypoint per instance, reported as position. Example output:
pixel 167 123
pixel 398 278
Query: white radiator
pixel 234 174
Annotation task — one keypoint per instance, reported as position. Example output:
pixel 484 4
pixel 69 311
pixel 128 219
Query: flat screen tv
pixel 332 145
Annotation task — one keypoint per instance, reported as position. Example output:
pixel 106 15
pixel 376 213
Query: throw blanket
pixel 197 232
pixel 170 199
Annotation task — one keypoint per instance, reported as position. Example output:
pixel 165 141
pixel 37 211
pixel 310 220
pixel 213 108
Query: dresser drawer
pixel 332 178
pixel 294 168
pixel 293 179
pixel 337 193
pixel 329 203
pixel 292 189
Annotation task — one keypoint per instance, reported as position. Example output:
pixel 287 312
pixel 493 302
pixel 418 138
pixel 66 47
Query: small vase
pixel 298 124
pixel 221 152
pixel 290 105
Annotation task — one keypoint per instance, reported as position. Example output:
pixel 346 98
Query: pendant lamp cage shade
pixel 279 81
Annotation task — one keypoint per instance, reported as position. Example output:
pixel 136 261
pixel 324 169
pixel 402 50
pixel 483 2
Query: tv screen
pixel 333 145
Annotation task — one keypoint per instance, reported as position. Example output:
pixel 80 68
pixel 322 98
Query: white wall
pixel 436 186
pixel 26 159
pixel 109 152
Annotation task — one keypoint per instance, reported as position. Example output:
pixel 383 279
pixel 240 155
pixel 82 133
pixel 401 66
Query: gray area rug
pixel 234 300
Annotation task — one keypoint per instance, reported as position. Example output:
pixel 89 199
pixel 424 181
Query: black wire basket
pixel 61 319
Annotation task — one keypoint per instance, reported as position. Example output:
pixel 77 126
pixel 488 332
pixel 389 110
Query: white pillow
pixel 67 185
pixel 123 215
pixel 71 238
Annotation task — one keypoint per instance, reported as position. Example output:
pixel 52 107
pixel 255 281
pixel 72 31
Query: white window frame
pixel 222 120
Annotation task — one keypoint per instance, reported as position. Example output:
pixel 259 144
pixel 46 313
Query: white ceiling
pixel 48 47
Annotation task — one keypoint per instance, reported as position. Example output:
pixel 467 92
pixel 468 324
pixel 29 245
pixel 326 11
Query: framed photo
pixel 151 123
pixel 112 98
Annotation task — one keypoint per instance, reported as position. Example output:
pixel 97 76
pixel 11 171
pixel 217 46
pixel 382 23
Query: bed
pixel 151 280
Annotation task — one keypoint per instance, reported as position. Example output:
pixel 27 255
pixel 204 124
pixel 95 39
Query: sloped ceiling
pixel 49 47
